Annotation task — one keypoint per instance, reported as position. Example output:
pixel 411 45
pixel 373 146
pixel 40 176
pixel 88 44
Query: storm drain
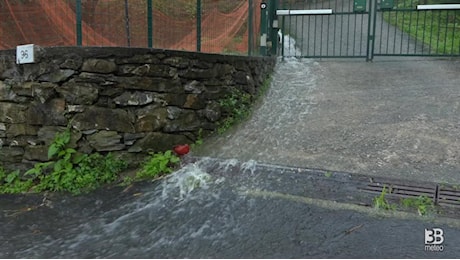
pixel 440 194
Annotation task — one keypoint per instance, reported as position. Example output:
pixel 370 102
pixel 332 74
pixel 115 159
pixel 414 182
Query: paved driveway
pixel 394 117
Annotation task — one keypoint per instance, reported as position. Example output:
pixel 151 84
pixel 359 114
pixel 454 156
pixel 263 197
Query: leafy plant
pixel 12 182
pixel 381 202
pixel 67 171
pixel 423 204
pixel 199 140
pixel 158 164
pixel 235 108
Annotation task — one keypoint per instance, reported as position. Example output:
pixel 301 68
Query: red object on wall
pixel 182 149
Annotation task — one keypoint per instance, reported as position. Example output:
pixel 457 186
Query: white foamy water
pixel 145 223
pixel 276 127
pixel 290 45
pixel 181 183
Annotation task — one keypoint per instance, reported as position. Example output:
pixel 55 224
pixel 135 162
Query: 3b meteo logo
pixel 433 240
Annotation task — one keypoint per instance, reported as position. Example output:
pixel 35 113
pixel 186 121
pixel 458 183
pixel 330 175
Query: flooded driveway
pixel 396 118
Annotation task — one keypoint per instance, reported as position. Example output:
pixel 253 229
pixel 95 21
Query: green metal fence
pixel 217 26
pixel 401 29
pixel 342 33
pixel 368 28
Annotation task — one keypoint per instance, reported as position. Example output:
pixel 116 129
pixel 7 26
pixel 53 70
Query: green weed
pixel 381 202
pixel 199 139
pixel 423 204
pixel 157 164
pixel 12 182
pixel 235 108
pixel 67 170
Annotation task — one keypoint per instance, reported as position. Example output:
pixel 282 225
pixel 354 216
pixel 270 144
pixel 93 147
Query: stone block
pixel 212 112
pixel 78 93
pixel 135 98
pixel 42 92
pixel 21 129
pixel 49 113
pixel 104 119
pixel 139 59
pixel 11 154
pixel 151 121
pixel 36 153
pixel 57 76
pixel 99 66
pixel 177 62
pixel 12 113
pixel 194 101
pixel 151 84
pixel 158 142
pixel 103 141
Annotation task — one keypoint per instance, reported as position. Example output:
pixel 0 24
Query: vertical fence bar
pixel 78 22
pixel 445 36
pixel 283 18
pixel 149 23
pixel 128 29
pixel 250 27
pixel 198 25
pixel 274 30
pixel 372 23
pixel 263 29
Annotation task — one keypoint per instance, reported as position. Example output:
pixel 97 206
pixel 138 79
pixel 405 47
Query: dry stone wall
pixel 122 100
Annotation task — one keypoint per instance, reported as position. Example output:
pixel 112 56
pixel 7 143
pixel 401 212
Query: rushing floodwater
pixel 281 118
pixel 217 209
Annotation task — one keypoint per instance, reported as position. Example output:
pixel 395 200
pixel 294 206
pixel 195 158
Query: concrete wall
pixel 122 100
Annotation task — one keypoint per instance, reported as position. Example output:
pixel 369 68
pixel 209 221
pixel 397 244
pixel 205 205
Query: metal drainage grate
pixel 448 196
pixel 400 190
pixel 440 194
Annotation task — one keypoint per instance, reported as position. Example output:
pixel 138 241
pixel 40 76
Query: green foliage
pixel 68 171
pixel 199 140
pixel 12 182
pixel 59 143
pixel 381 202
pixel 423 204
pixel 157 165
pixel 235 108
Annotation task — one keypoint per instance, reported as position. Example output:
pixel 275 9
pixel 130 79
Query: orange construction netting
pixel 224 28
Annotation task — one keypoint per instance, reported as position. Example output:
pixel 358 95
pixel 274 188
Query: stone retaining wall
pixel 121 100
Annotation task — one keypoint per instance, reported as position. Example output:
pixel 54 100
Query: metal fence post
pixel 274 25
pixel 127 25
pixel 263 29
pixel 78 22
pixel 371 29
pixel 149 23
pixel 198 25
pixel 250 27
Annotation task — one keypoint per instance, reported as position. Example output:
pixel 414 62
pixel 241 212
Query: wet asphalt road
pixel 236 211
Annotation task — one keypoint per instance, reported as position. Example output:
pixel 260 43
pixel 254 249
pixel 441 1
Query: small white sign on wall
pixel 25 54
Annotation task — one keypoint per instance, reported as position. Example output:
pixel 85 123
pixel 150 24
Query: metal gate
pixel 362 28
